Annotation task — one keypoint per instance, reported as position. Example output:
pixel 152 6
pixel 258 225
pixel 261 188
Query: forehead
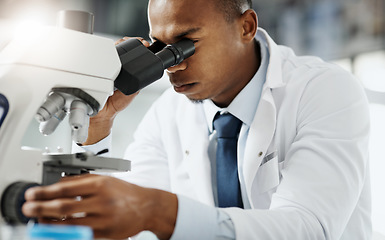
pixel 172 17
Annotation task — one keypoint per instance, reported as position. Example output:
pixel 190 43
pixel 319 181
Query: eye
pixel 194 40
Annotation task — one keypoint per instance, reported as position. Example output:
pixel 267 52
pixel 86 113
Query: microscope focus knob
pixel 12 201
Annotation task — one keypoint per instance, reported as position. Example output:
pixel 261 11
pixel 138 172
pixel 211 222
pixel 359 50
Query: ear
pixel 249 22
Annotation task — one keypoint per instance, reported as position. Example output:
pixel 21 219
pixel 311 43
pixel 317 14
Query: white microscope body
pixel 78 66
pixel 63 72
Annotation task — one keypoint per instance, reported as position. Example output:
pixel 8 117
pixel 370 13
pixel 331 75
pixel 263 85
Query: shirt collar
pixel 246 102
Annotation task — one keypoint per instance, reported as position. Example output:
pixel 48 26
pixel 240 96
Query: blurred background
pixel 350 33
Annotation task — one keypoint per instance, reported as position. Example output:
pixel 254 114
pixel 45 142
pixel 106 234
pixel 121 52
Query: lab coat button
pixel 260 154
pixel 187 152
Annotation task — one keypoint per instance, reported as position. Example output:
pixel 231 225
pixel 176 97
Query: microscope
pixel 66 71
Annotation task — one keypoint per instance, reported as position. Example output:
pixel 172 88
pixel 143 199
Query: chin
pixel 195 100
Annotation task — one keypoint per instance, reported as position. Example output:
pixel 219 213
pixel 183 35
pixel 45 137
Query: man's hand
pixel 101 124
pixel 111 207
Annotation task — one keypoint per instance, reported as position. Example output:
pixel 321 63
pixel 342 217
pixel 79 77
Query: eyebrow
pixel 190 31
pixel 181 35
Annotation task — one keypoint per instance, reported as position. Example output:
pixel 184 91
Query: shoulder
pixel 313 73
pixel 308 68
pixel 313 86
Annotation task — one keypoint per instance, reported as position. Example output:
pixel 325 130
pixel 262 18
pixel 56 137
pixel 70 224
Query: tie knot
pixel 227 126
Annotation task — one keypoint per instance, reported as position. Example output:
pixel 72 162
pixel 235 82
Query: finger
pixel 94 221
pixel 139 38
pixel 142 40
pixel 48 220
pixel 62 207
pixel 119 101
pixel 79 186
pixel 102 233
pixel 72 177
pixel 119 41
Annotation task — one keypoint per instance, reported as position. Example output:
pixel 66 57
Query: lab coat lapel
pixel 260 136
pixel 194 138
pixel 262 128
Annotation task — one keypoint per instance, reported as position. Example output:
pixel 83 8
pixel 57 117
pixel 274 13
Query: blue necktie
pixel 227 127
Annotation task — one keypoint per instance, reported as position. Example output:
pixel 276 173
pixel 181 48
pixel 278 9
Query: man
pixel 300 169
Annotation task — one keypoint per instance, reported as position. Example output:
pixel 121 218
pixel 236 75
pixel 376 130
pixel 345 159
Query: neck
pixel 255 61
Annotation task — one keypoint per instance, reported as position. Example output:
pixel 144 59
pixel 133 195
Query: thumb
pixel 120 101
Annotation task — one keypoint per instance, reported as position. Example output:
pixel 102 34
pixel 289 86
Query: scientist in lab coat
pixel 302 148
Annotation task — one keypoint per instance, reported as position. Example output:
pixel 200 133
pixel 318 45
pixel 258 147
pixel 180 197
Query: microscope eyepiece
pixel 174 54
pixel 142 66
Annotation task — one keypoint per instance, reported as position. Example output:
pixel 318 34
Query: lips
pixel 181 83
pixel 180 88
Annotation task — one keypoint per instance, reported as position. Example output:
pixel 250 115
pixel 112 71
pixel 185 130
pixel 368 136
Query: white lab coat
pixel 310 132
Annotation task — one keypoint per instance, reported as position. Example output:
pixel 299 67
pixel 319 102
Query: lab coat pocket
pixel 268 175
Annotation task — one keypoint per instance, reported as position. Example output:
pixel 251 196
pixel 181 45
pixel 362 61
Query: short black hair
pixel 233 8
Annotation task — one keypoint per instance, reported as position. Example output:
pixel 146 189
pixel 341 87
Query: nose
pixel 180 67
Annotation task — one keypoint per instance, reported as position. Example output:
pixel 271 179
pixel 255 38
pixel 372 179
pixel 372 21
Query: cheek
pixel 212 63
pixel 199 63
pixel 207 60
